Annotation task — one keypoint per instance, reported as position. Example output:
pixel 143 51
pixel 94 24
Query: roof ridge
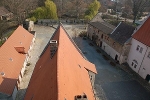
pixel 73 42
pixel 107 25
pixel 49 41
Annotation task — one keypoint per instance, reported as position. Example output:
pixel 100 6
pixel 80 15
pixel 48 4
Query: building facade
pixel 14 54
pixel 98 32
pixel 139 55
pixel 117 44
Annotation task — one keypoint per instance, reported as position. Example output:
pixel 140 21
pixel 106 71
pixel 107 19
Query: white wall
pixel 145 67
pixel 110 51
pixel 134 54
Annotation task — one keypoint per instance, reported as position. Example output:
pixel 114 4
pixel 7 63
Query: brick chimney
pixel 53 47
pixel 81 97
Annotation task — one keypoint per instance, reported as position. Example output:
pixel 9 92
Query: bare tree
pixel 71 7
pixel 3 27
pixel 20 8
pixel 80 6
pixel 138 6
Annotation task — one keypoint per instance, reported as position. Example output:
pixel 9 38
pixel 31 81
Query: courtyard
pixel 111 83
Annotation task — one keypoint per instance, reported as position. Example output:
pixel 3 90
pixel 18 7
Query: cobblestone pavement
pixel 43 35
pixel 114 81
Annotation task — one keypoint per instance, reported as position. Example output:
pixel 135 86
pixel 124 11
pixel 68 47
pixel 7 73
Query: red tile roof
pixel 11 61
pixel 63 76
pixel 143 33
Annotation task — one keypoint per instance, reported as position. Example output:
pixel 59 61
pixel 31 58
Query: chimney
pixel 81 97
pixel 53 47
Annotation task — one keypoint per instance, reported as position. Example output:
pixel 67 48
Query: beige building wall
pixel 92 77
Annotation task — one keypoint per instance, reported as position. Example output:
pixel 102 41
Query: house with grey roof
pixel 97 18
pixel 5 14
pixel 117 44
pixel 97 30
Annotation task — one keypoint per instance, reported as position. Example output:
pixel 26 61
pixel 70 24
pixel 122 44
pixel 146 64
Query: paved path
pixel 113 83
pixel 43 35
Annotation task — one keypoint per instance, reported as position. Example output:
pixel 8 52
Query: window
pixel 107 38
pixel 102 36
pixel 135 66
pixel 138 47
pixel 90 77
pixel 134 63
pixel 114 44
pixel 148 55
pixel 141 49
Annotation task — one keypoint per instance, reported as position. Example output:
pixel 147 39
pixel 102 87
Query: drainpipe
pixel 142 60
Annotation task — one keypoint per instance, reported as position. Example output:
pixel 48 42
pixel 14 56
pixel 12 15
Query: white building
pixel 14 54
pixel 139 55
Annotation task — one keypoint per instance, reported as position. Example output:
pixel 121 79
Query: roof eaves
pixel 91 70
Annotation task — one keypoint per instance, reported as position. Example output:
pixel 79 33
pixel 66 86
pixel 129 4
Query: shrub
pixel 33 19
pixel 28 64
pixel 83 34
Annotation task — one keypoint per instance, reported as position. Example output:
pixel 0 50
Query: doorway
pixel 147 78
pixel 100 43
pixel 116 57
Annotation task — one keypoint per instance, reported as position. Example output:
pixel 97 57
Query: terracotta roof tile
pixel 63 76
pixel 143 33
pixel 11 61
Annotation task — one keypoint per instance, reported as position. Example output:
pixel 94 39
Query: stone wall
pixel 49 22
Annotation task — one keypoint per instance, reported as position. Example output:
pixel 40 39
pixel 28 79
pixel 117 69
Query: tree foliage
pixel 49 11
pixel 92 10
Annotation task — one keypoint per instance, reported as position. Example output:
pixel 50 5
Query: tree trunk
pixel 134 19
